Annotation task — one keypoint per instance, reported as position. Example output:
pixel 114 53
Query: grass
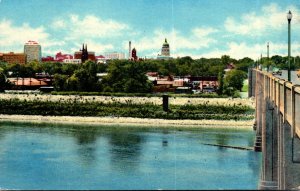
pixel 245 86
pixel 117 109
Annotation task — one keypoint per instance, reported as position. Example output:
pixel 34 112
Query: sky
pixel 196 28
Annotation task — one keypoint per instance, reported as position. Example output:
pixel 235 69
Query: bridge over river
pixel 277 126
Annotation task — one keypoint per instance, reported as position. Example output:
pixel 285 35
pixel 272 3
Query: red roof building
pixel 48 59
pixel 59 57
pixel 27 82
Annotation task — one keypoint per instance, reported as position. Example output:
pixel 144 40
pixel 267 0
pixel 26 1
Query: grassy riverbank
pixel 114 108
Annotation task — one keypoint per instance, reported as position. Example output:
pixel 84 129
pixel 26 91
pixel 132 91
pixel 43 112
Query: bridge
pixel 277 127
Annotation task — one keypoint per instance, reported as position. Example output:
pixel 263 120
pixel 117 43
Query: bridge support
pixel 269 142
pixel 289 161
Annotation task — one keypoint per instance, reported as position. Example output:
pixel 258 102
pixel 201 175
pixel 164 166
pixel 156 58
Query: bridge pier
pixel 289 168
pixel 269 150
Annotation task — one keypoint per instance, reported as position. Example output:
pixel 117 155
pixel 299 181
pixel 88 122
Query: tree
pixel 126 76
pixel 59 82
pixel 244 64
pixel 4 83
pixel 225 59
pixel 2 80
pixel 72 83
pixel 235 79
pixel 221 83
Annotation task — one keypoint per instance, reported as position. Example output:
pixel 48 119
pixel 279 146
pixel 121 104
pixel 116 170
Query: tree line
pixel 129 76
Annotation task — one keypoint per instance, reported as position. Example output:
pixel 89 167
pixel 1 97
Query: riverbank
pixel 127 121
pixel 132 100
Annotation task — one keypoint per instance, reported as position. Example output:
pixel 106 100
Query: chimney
pixel 129 56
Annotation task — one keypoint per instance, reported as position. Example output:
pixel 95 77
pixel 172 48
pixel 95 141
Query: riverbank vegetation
pixel 128 109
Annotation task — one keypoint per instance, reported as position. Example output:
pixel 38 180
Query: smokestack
pixel 129 56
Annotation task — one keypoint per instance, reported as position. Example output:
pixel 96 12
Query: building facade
pixel 165 50
pixel 13 58
pixel 33 51
pixel 101 59
pixel 48 59
pixel 72 61
pixel 114 55
pixel 60 57
pixel 84 54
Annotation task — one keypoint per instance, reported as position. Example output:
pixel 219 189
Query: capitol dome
pixel 166 44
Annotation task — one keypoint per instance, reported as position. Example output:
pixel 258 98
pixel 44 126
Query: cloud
pixel 273 18
pixel 88 27
pixel 198 38
pixel 241 50
pixel 15 37
pixel 58 24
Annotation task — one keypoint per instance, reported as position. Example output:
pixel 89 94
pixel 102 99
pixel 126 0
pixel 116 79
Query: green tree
pixel 127 76
pixel 225 59
pixel 2 80
pixel 221 83
pixel 235 79
pixel 244 64
pixel 59 82
pixel 72 83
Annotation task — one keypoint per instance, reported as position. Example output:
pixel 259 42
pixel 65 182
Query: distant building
pixel 134 54
pixel 59 57
pixel 101 59
pixel 27 83
pixel 129 54
pixel 72 61
pixel 48 59
pixel 13 58
pixel 84 54
pixel 229 67
pixel 33 51
pixel 165 51
pixel 114 55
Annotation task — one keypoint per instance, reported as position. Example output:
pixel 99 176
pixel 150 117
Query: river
pixel 36 156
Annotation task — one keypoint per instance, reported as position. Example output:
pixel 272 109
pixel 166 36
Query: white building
pixel 114 55
pixel 33 51
pixel 165 51
pixel 72 61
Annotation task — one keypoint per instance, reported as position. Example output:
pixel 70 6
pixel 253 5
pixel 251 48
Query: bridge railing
pixel 296 112
pixel 284 94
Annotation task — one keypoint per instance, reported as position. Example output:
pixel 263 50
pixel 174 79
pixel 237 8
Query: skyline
pixel 202 28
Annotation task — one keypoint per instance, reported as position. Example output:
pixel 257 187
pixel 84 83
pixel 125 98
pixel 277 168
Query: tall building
pixel 13 58
pixel 165 51
pixel 114 55
pixel 129 54
pixel 33 51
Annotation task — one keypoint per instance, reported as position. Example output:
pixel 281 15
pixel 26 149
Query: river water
pixel 89 157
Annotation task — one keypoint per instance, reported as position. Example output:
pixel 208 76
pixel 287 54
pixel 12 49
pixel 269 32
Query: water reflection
pixel 126 148
pixel 164 138
pixel 164 142
pixel 222 139
pixel 86 140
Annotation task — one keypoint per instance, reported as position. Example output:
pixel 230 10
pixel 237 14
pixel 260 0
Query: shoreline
pixel 126 121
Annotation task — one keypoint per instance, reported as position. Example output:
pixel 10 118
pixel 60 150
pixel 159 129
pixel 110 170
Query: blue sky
pixel 196 28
